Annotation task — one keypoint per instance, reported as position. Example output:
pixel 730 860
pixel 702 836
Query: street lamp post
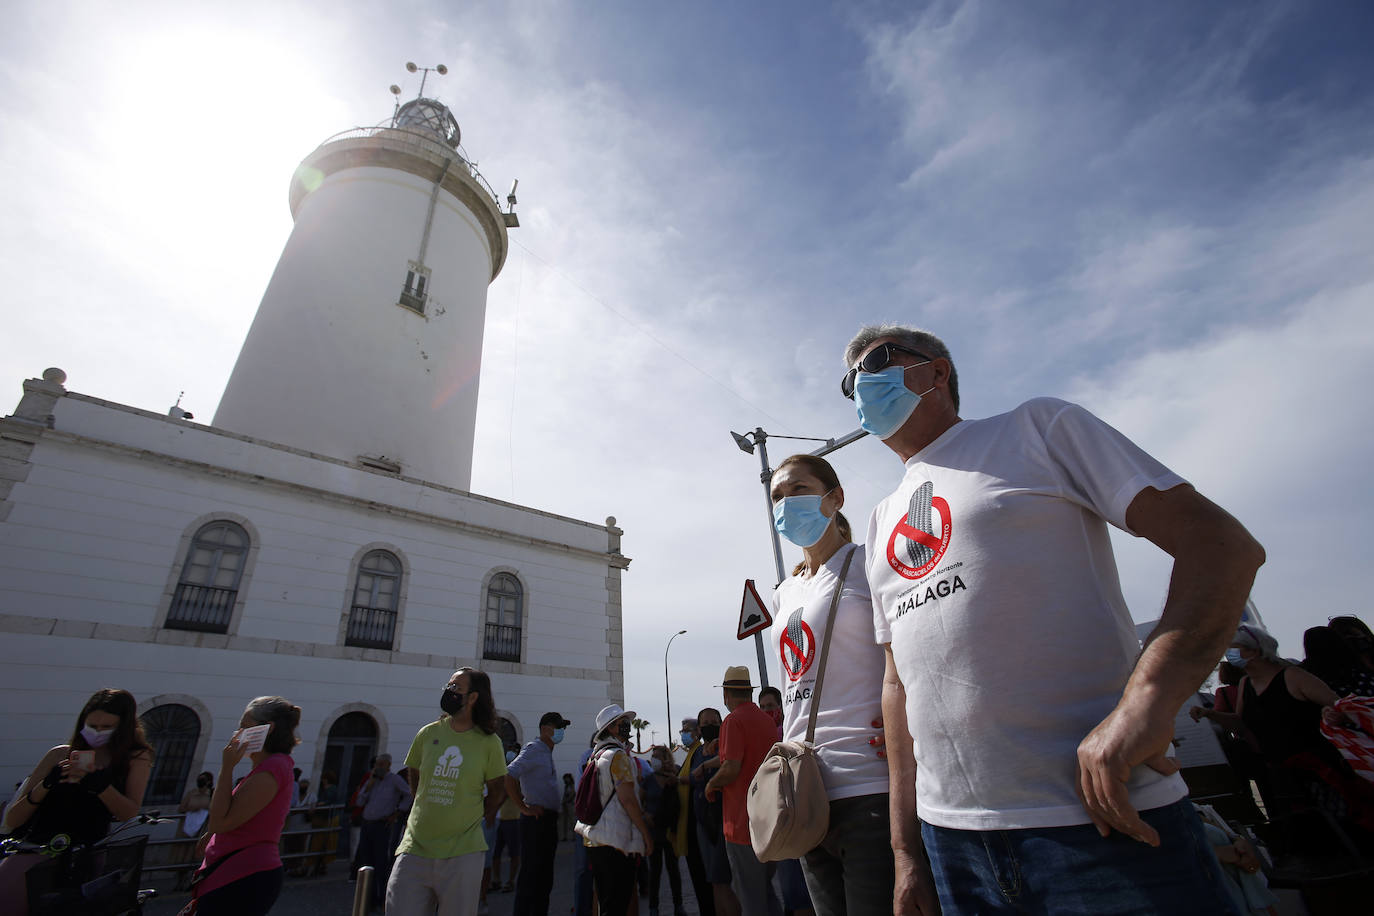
pixel 667 694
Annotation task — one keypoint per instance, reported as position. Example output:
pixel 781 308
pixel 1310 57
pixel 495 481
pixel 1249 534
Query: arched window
pixel 506 732
pixel 372 619
pixel 351 744
pixel 209 583
pixel 173 731
pixel 505 607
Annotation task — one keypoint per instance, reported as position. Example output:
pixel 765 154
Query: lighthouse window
pixel 413 293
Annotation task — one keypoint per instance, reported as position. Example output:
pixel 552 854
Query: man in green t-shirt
pixel 439 861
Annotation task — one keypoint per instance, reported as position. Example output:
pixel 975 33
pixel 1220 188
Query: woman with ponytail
pixel 242 871
pixel 851 871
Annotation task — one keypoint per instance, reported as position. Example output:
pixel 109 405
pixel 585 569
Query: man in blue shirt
pixel 532 781
pixel 382 797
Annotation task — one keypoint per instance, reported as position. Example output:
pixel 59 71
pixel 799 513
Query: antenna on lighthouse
pixel 437 68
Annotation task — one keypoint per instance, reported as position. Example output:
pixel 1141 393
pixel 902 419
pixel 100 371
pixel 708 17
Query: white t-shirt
pixel 851 697
pixel 993 579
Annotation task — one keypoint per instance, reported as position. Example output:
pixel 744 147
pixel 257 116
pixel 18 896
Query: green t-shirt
pixel 446 819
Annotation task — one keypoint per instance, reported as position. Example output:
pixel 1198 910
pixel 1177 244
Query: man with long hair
pixel 438 866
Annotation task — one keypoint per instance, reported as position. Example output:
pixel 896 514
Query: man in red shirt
pixel 745 737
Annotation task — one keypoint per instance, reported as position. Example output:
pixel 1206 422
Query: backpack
pixel 587 803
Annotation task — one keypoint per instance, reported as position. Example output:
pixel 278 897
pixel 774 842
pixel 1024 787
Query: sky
pixel 1161 211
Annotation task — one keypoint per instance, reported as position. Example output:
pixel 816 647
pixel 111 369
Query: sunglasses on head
pixel 875 360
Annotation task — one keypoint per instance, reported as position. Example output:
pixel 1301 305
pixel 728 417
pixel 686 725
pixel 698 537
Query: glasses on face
pixel 875 360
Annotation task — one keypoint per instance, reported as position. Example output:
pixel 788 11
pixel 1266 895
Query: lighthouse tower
pixel 367 345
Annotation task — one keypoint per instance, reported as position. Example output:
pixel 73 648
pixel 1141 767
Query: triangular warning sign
pixel 753 614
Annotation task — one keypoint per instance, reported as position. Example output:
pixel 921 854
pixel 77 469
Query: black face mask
pixel 710 732
pixel 623 731
pixel 451 702
pixel 202 783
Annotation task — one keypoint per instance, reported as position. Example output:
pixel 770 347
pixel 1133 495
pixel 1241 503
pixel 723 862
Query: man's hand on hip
pixel 1125 739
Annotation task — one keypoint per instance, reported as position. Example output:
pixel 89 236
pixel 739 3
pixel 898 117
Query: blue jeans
pixel 1072 871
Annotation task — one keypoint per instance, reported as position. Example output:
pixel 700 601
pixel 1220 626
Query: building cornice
pixel 114 632
pixel 28 434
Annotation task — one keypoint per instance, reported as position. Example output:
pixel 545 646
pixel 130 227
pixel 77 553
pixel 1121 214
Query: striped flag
pixel 1355 744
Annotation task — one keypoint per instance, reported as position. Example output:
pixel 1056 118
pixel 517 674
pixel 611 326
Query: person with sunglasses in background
pixel 1024 724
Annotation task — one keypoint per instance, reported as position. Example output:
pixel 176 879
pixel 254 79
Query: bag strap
pixel 596 770
pixel 202 873
pixel 825 647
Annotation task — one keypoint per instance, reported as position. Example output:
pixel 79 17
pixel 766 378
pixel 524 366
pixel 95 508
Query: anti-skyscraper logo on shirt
pixel 914 547
pixel 797 646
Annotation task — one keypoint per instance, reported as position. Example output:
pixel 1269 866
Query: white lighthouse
pixel 367 345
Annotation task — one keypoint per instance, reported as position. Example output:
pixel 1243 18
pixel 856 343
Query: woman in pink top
pixel 242 871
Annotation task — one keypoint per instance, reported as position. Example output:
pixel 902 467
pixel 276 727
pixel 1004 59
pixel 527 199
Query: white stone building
pixel 317 540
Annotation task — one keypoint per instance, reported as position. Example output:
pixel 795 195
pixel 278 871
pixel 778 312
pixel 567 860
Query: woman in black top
pixel 1284 706
pixel 80 788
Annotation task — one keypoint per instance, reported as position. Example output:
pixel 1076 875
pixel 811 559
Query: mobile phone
pixel 254 738
pixel 83 761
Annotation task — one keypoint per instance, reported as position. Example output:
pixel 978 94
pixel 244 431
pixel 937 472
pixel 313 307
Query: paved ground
pixel 332 894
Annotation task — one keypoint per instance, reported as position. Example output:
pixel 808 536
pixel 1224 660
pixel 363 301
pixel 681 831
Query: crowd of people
pixel 990 735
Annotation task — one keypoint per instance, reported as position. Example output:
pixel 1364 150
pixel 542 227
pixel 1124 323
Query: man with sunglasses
pixel 1023 722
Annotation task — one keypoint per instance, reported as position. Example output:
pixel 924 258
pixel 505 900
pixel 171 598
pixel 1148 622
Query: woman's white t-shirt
pixel 851 697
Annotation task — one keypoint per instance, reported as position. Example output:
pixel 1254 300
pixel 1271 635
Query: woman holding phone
pixel 80 788
pixel 242 871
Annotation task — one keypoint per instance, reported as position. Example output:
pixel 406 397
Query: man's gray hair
pixel 689 722
pixel 381 757
pixel 913 338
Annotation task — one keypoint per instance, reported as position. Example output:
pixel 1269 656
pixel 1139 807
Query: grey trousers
pixel 752 881
pixel 851 873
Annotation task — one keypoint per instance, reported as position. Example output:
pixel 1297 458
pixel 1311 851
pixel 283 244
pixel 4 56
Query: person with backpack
pixel 609 818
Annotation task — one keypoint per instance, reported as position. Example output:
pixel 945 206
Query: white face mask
pixel 97 737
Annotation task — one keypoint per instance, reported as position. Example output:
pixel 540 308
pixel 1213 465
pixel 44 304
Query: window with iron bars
pixel 209 583
pixel 505 608
pixel 376 594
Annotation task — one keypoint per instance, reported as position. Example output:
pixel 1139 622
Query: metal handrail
pixel 501 643
pixel 422 138
pixel 193 863
pixel 371 627
pixel 204 608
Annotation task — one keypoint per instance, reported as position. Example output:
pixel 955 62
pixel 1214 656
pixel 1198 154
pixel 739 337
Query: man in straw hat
pixel 745 737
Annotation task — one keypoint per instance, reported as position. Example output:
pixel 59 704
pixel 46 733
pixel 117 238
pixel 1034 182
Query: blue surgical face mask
pixel 687 738
pixel 510 755
pixel 799 519
pixel 884 401
pixel 1235 658
pixel 557 735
